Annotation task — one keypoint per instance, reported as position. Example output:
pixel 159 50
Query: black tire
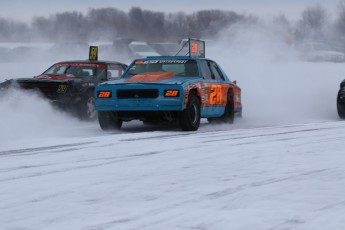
pixel 152 123
pixel 210 120
pixel 109 120
pixel 341 110
pixel 189 118
pixel 229 113
pixel 87 109
pixel 341 104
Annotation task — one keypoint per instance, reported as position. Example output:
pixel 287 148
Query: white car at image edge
pixel 320 51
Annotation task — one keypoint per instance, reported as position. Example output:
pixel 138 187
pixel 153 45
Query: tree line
pixel 112 23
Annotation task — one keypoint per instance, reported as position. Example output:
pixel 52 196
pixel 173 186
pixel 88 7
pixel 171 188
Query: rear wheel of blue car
pixel 109 120
pixel 229 112
pixel 190 117
pixel 87 110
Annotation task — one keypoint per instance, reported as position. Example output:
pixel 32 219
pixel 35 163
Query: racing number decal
pixel 62 89
pixel 194 47
pixel 216 95
pixel 93 53
pixel 104 94
pixel 171 93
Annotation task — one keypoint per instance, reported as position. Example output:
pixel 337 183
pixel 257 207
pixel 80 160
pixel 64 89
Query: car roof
pixel 172 58
pixel 91 62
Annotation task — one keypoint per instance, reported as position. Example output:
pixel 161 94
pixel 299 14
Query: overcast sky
pixel 24 10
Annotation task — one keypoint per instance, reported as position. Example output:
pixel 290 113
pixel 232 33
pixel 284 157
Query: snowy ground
pixel 280 167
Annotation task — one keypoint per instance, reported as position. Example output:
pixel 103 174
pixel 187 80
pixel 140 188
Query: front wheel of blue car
pixel 190 117
pixel 109 120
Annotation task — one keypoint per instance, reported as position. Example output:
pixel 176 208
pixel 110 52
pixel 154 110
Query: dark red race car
pixel 70 84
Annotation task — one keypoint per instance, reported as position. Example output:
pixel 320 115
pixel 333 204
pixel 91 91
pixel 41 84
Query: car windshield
pixel 77 70
pixel 178 67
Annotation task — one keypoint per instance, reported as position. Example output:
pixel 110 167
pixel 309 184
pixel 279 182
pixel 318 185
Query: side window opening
pixel 114 72
pixel 101 73
pixel 220 73
pixel 191 69
pixel 206 73
pixel 216 71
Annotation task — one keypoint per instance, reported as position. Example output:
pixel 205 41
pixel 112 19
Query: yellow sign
pixel 93 53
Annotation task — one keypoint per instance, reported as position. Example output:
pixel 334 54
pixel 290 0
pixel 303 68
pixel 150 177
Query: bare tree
pixel 106 23
pixel 314 19
pixel 340 23
pixel 177 25
pixel 281 27
pixel 13 31
pixel 111 23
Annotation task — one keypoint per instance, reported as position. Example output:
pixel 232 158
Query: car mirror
pixel 235 82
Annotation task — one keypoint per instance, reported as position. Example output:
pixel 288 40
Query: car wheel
pixel 341 104
pixel 87 109
pixel 190 117
pixel 229 113
pixel 109 120
pixel 341 110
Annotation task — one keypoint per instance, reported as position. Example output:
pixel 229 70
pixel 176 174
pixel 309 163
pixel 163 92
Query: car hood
pixel 153 78
pixel 54 77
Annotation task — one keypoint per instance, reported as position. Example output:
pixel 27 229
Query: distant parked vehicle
pixel 141 49
pixel 168 48
pixel 26 53
pixel 131 49
pixel 319 52
pixel 70 50
pixel 4 54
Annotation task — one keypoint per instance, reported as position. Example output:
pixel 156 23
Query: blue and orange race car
pixel 169 88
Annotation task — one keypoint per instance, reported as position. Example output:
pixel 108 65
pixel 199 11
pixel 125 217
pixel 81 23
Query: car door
pixel 215 92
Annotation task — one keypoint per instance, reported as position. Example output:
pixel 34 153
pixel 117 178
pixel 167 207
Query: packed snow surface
pixel 281 166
